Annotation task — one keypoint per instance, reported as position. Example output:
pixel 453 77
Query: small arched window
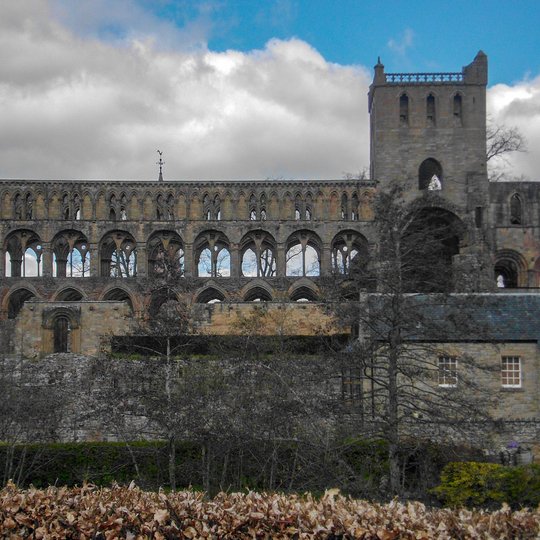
pixel 430 175
pixel 61 330
pixel 458 109
pixel 516 210
pixel 430 110
pixel 404 110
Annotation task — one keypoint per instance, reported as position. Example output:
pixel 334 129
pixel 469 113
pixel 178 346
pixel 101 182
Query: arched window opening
pixel 66 214
pixel 404 110
pixel 506 274
pixel 77 207
pixel 516 210
pixel 302 258
pixel 160 207
pixel 257 294
pixel 69 295
pixel 71 257
pixel 428 247
pixel 118 255
pixel 298 207
pixel 213 258
pixel 165 255
pixel 303 294
pixel 430 175
pixel 262 207
pixel 62 334
pixel 458 109
pixel 258 255
pixel 210 296
pixel 16 300
pixel 217 208
pixel 308 213
pixel 354 207
pixel 344 205
pixel 430 110
pixel 23 254
pixel 349 252
pixel 119 295
pixel 18 206
pixel 29 206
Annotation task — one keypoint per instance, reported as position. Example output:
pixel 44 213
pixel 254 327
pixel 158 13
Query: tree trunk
pixel 172 462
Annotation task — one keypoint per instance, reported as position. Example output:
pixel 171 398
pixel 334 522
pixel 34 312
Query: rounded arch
pixel 14 301
pixel 209 295
pixel 71 256
pixel 119 294
pixel 118 255
pixel 165 251
pixel 258 254
pixel 510 269
pixel 303 254
pixel 515 203
pixel 304 293
pixel 23 251
pixel 212 255
pixel 430 175
pixel 428 246
pixel 69 294
pixel 349 252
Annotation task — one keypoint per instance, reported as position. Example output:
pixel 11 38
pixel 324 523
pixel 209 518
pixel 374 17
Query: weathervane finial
pixel 160 163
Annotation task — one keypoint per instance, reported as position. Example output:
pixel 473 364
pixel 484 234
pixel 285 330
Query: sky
pixel 244 89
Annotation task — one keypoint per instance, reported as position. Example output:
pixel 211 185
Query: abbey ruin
pixel 79 257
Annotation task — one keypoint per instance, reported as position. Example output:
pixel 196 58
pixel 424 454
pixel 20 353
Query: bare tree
pixel 502 140
pixel 400 358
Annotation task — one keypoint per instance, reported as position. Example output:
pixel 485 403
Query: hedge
pixel 489 484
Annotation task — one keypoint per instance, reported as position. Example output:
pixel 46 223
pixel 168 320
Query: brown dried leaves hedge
pixel 120 512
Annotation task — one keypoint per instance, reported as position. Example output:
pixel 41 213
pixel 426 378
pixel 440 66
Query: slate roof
pixel 469 317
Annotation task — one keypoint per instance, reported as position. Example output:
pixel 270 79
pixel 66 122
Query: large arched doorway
pixel 428 246
pixel 61 334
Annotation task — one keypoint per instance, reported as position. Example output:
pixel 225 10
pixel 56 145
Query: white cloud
pixel 74 106
pixel 402 43
pixel 518 105
pixel 80 104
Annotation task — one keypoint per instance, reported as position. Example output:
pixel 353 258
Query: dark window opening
pixel 430 174
pixel 478 217
pixel 516 217
pixel 404 110
pixel 430 110
pixel 458 109
pixel 61 334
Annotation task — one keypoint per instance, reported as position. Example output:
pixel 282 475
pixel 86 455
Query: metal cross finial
pixel 160 163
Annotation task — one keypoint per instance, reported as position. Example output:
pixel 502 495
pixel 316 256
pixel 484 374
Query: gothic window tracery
pixel 118 255
pixel 349 251
pixel 71 257
pixel 303 255
pixel 23 256
pixel 212 255
pixel 165 255
pixel 258 255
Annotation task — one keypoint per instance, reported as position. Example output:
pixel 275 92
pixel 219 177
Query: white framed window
pixel 448 376
pixel 511 372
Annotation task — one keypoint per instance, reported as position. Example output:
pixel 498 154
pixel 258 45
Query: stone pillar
pixel 326 260
pixel 281 264
pixel 189 269
pixel 142 259
pixel 95 269
pixel 235 260
pixel 2 261
pixel 47 258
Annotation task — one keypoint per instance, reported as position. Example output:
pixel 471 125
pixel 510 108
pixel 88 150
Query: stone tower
pixel 428 131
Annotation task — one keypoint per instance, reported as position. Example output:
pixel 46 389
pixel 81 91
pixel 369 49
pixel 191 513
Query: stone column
pixel 281 264
pixel 142 260
pixel 95 269
pixel 47 259
pixel 235 260
pixel 326 260
pixel 2 261
pixel 189 258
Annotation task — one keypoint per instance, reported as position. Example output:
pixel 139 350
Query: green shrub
pixel 489 484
